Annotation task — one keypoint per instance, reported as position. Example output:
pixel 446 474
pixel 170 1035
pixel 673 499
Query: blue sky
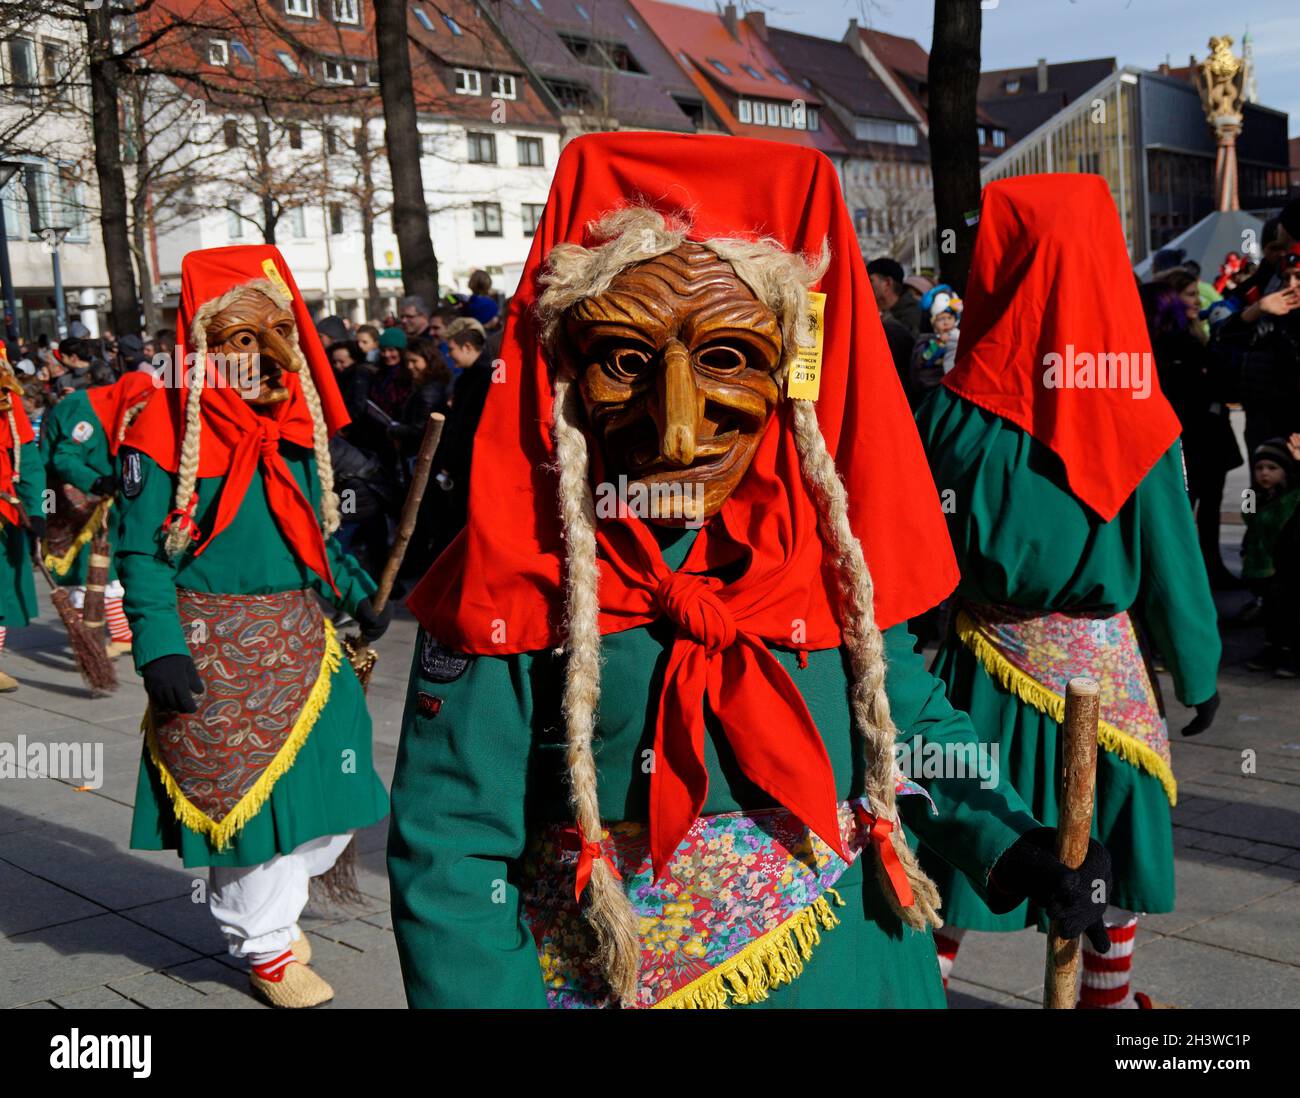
pixel 1135 32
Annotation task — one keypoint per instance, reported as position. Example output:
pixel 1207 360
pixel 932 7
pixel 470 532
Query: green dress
pixel 332 786
pixel 476 779
pixel 1024 540
pixel 76 461
pixel 17 585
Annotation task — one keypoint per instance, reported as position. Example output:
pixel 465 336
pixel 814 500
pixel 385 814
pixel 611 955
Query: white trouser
pixel 258 906
pixel 112 590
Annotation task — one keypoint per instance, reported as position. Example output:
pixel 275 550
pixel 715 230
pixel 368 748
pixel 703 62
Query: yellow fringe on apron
pixel 1032 693
pixel 61 566
pixel 221 834
pixel 773 960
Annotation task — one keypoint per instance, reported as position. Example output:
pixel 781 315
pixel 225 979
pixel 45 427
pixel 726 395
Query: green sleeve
pixel 78 463
pixel 31 481
pixel 145 571
pixel 353 581
pixel 1175 595
pixel 979 813
pixel 456 834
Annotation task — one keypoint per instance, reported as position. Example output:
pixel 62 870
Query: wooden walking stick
pixel 360 654
pixel 1078 780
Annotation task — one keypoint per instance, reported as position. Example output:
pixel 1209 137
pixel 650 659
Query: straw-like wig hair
pixel 178 537
pixel 781 280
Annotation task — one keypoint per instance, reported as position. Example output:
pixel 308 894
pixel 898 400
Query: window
pixel 719 66
pixel 295 135
pixel 531 214
pixel 999 139
pixel 230 133
pixel 814 119
pixel 38 198
pixel 487 219
pixel 582 12
pixel 537 4
pixel 336 219
pixel 503 85
pixel 240 51
pixel 780 76
pixel 297 223
pixel 347 11
pixel 983 136
pixel 218 52
pixel 746 111
pixel 906 133
pixel 468 82
pixel 372 75
pixel 632 23
pixel 760 114
pixel 287 60
pixel 22 65
pixel 530 152
pixel 54 69
pixel 693 109
pixel 304 8
pixel 1012 85
pixel 752 72
pixel 422 18
pixel 452 25
pixel 429 144
pixel 482 148
pixel 339 72
pixel 787 116
pixel 571 97
pixel 234 223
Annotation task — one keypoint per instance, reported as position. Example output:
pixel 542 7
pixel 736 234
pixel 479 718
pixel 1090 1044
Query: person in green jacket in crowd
pixel 79 442
pixel 648 754
pixel 1059 462
pixel 257 759
pixel 22 516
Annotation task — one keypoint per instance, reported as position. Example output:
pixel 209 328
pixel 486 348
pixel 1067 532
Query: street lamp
pixel 8 170
pixel 51 237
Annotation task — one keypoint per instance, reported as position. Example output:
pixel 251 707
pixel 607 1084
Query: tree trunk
pixel 954 143
pixel 368 216
pixel 140 211
pixel 270 215
pixel 105 69
pixel 402 139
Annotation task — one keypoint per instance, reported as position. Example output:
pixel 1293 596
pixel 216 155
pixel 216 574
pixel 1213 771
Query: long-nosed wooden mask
pixel 676 362
pixel 254 331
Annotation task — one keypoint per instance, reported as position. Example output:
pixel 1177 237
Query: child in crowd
pixel 934 352
pixel 1271 552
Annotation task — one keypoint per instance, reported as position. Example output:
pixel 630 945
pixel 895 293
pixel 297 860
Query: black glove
pixel 1030 868
pixel 36 524
pixel 373 626
pixel 104 486
pixel 1204 717
pixel 172 683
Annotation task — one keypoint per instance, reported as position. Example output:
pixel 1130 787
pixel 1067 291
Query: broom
pixel 92 661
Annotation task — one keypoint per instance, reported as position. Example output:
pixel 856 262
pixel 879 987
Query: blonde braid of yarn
pixel 866 648
pixel 13 434
pixel 329 500
pixel 187 474
pixel 609 912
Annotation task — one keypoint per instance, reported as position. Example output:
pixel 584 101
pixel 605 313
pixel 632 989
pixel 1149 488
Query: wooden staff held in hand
pixel 1078 781
pixel 361 655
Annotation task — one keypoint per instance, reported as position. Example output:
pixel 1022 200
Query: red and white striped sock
pixel 4 632
pixel 115 617
pixel 947 941
pixel 1107 976
pixel 270 966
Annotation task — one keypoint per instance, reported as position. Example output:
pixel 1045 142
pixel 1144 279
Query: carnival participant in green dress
pixel 257 759
pixel 1059 461
pixel 22 518
pixel 648 755
pixel 79 442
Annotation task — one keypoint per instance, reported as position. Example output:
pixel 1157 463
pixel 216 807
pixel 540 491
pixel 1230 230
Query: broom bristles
pixel 92 661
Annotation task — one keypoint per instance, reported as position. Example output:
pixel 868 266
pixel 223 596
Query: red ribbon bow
pixel 761 711
pixel 878 831
pixel 589 851
pixel 184 520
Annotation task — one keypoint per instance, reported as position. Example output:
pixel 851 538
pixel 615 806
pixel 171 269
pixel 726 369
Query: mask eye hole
pixel 628 363
pixel 720 358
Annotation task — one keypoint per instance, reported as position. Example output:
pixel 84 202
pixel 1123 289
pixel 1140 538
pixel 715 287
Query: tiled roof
pixel 705 48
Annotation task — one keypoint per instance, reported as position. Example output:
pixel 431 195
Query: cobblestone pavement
pixel 86 922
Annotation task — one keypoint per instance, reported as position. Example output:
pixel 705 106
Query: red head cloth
pixel 8 448
pixel 235 440
pixel 498 588
pixel 1052 289
pixel 110 403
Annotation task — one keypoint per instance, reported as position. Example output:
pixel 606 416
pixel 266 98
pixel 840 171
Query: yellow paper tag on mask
pixel 272 272
pixel 805 378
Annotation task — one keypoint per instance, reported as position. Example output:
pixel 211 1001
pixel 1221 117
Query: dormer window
pixel 218 52
pixel 1012 85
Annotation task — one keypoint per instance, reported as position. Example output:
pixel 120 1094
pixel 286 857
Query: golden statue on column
pixel 1221 80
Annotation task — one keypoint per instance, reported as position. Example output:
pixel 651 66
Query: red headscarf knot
pixel 270 441
pixel 690 604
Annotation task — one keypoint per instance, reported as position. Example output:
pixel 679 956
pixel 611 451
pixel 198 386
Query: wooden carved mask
pixel 9 386
pixel 258 339
pixel 676 363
